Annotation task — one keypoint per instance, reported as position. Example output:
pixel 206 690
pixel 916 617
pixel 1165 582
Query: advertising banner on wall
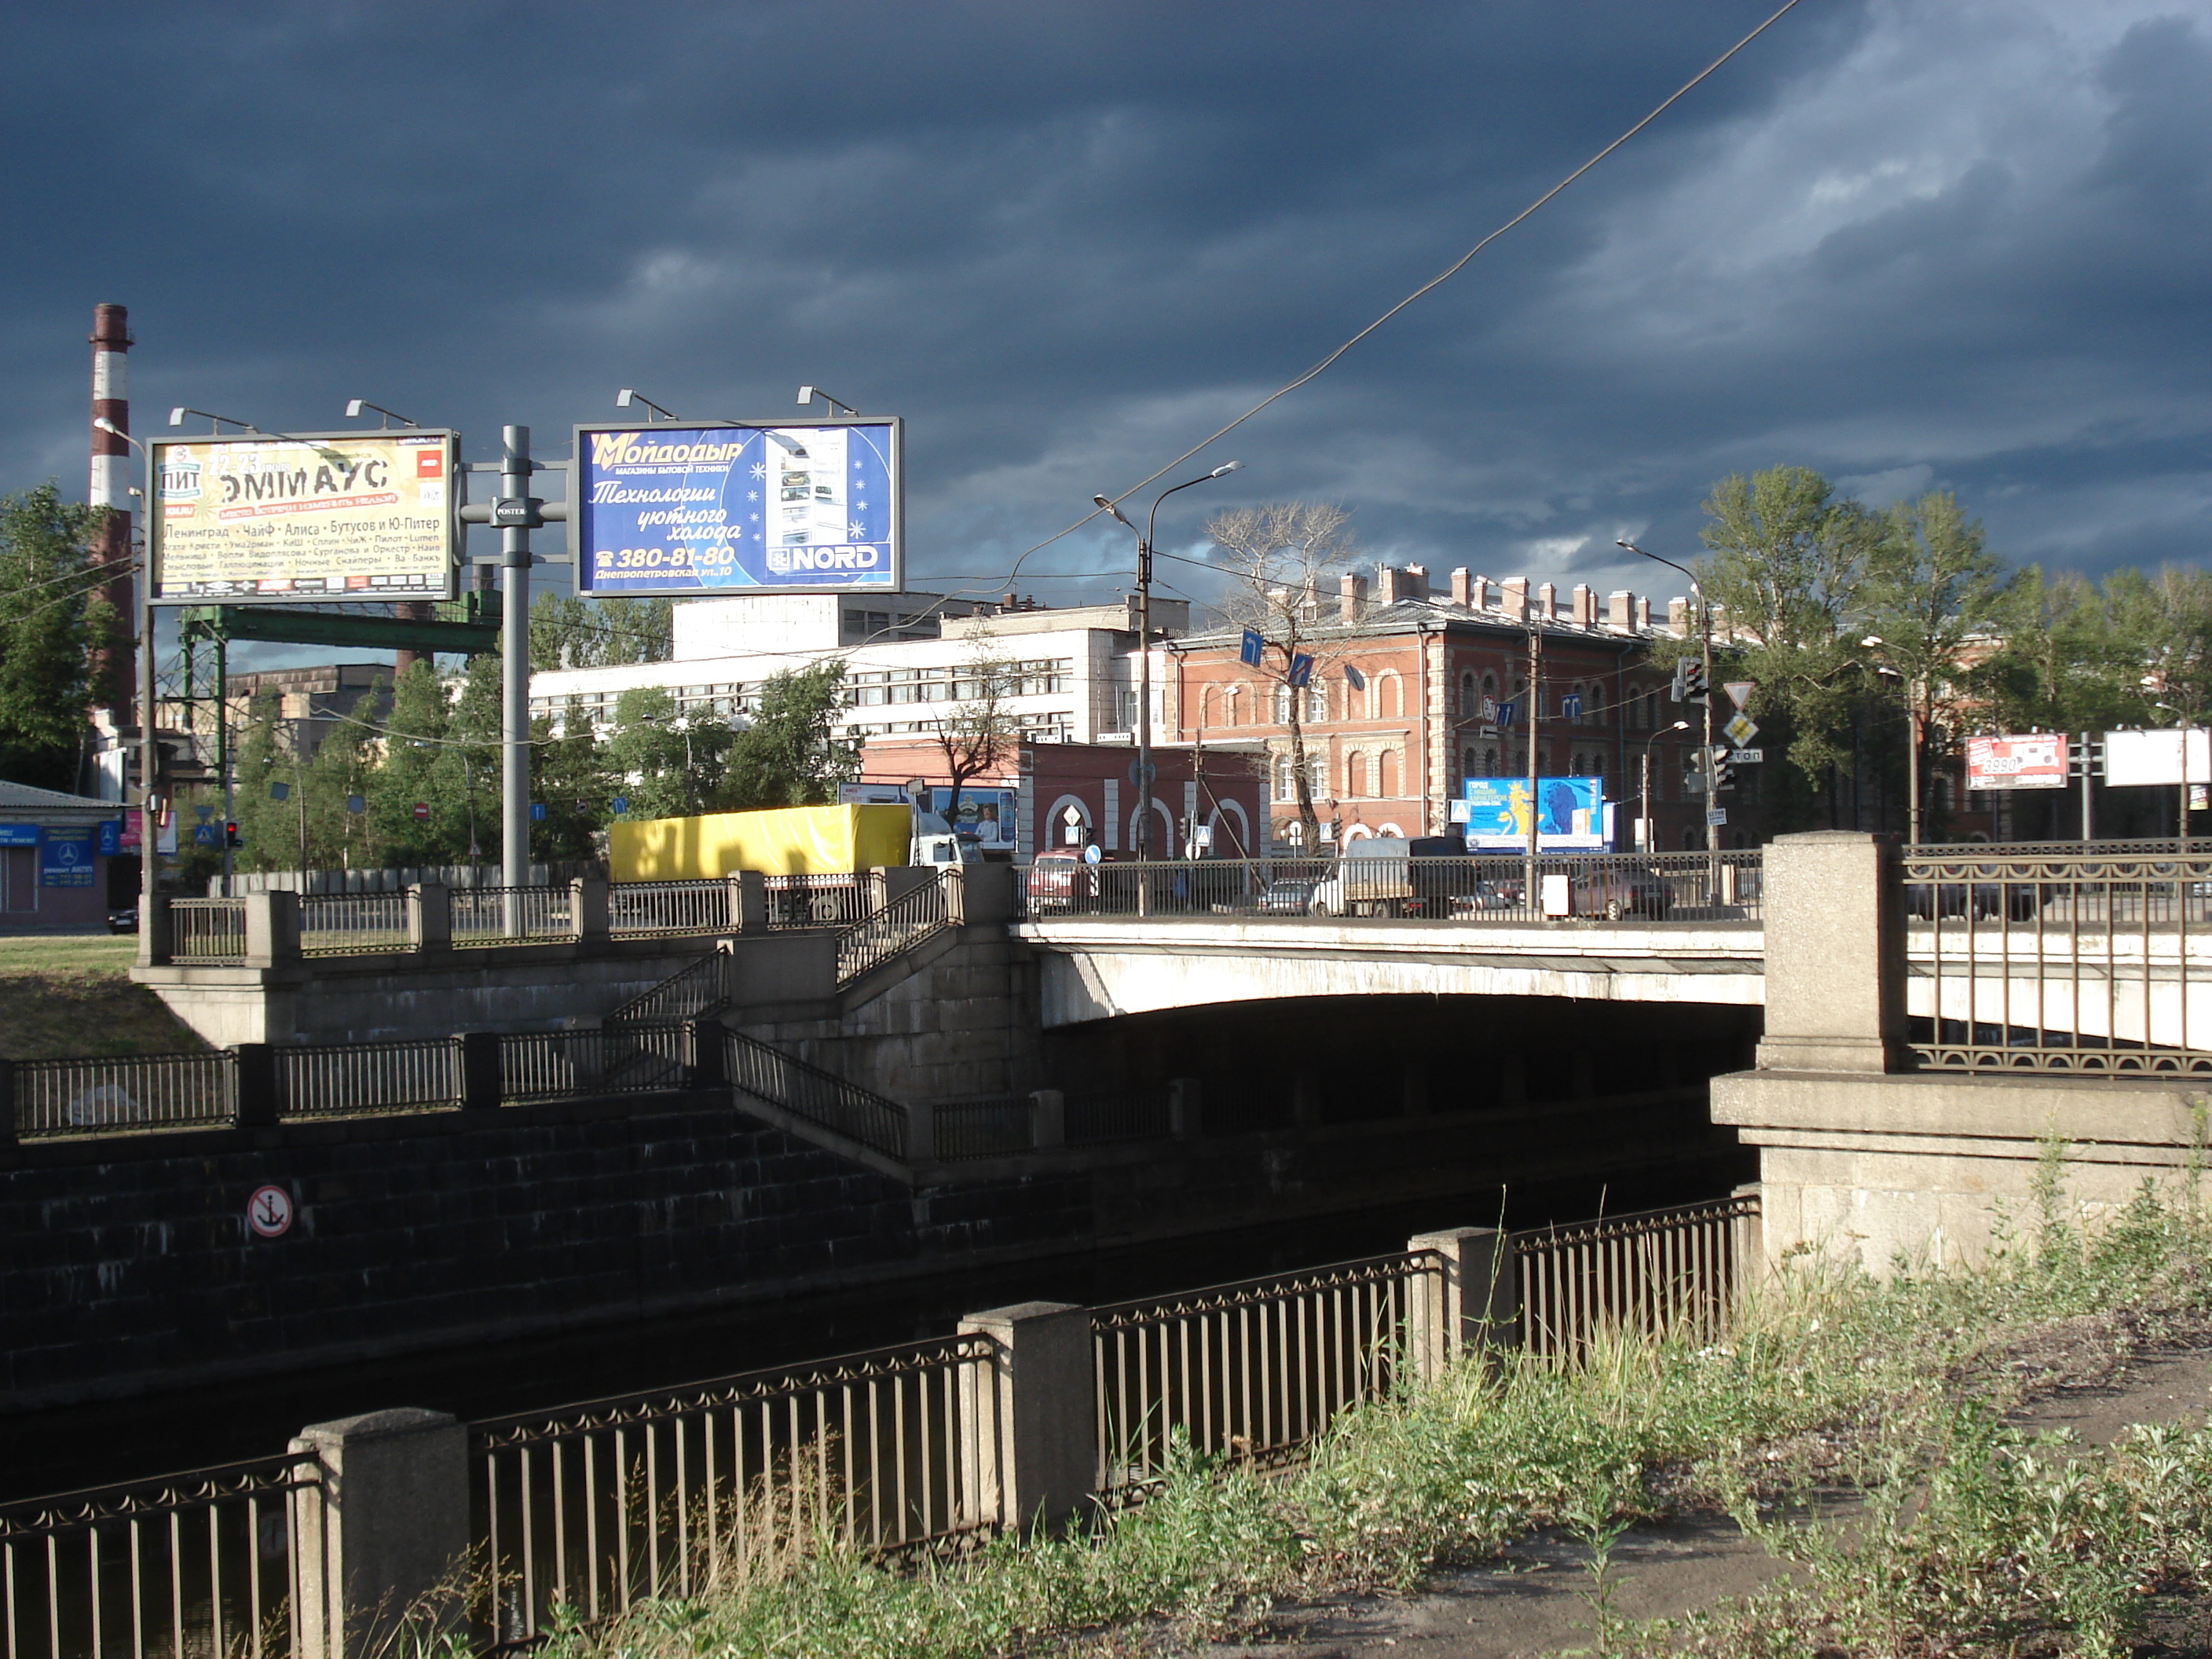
pixel 306 519
pixel 985 816
pixel 1571 815
pixel 798 507
pixel 65 857
pixel 2036 761
pixel 2138 758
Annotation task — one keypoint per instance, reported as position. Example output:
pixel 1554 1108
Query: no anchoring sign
pixel 268 1212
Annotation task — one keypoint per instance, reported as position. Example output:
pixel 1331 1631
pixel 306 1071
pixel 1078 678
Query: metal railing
pixel 349 924
pixel 504 916
pixel 1651 1272
pixel 707 1487
pixel 638 909
pixel 1116 1115
pixel 821 1097
pixel 2068 960
pixel 905 922
pixel 835 900
pixel 994 1126
pixel 692 992
pixel 1251 1370
pixel 355 1078
pixel 1639 889
pixel 127 1095
pixel 207 930
pixel 636 1058
pixel 195 1565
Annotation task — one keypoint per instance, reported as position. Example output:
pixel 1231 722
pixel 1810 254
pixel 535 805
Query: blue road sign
pixel 1301 670
pixel 1570 705
pixel 1505 714
pixel 538 811
pixel 1251 651
pixel 620 803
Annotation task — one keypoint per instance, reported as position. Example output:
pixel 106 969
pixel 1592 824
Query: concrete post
pixel 1030 1426
pixel 254 1074
pixel 429 919
pixel 921 1132
pixel 748 902
pixel 1835 954
pixel 897 880
pixel 986 894
pixel 955 878
pixel 272 929
pixel 878 886
pixel 589 917
pixel 1185 1108
pixel 156 930
pixel 1047 1118
pixel 384 1535
pixel 1475 1304
pixel 481 1082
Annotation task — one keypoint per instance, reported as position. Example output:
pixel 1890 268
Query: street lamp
pixel 1912 736
pixel 807 394
pixel 1144 646
pixel 148 750
pixel 629 395
pixel 217 422
pixel 355 405
pixel 1705 646
pixel 1649 838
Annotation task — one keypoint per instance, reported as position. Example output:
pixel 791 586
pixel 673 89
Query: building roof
pixel 22 803
pixel 1378 621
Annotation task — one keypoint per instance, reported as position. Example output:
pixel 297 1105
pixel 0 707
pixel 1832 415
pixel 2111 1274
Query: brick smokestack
pixel 113 474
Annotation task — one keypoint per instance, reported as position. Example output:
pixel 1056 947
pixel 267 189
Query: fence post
pixel 1047 1118
pixel 1028 1430
pixel 156 930
pixel 254 1104
pixel 587 909
pixel 1749 1246
pixel 1474 1303
pixel 1186 1107
pixel 384 1535
pixel 748 902
pixel 429 919
pixel 955 877
pixel 481 1081
pixel 702 1054
pixel 272 928
pixel 1835 954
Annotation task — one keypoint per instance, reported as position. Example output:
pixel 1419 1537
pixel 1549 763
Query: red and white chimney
pixel 113 474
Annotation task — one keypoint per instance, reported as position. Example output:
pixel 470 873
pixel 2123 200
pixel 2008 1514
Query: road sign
pixel 204 812
pixel 620 803
pixel 538 811
pixel 1740 692
pixel 1146 769
pixel 1748 756
pixel 1301 670
pixel 1717 816
pixel 1250 651
pixel 268 1212
pixel 421 810
pixel 356 802
pixel 1740 730
pixel 1092 855
pixel 1570 705
pixel 279 790
pixel 204 835
pixel 1504 714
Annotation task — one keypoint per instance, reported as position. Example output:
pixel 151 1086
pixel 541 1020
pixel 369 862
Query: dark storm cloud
pixel 1951 243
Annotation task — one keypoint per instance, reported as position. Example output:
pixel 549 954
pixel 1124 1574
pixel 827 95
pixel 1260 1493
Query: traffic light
pixel 1723 769
pixel 230 835
pixel 1689 681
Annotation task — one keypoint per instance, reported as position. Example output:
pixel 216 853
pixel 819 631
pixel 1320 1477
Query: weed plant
pixel 1968 1534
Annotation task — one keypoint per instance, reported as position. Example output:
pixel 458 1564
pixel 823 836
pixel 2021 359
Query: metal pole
pixel 515 682
pixel 1534 700
pixel 223 749
pixel 149 838
pixel 1912 766
pixel 1644 813
pixel 2086 758
pixel 1712 770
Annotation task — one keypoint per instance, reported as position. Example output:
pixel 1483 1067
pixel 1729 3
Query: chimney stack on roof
pixel 1678 617
pixel 1585 605
pixel 1643 614
pixel 1351 599
pixel 1621 611
pixel 1547 602
pixel 1462 588
pixel 1516 604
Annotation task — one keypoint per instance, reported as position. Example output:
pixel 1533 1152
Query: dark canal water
pixel 92 1445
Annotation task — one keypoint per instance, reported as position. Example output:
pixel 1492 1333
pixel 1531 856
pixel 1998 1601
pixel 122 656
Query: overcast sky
pixel 1955 243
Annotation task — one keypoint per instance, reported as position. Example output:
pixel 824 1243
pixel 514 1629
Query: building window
pixel 1470 703
pixel 1388 787
pixel 1355 765
pixel 1286 778
pixel 1317 702
pixel 1317 775
pixel 1282 705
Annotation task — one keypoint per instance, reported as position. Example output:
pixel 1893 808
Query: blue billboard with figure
pixel 1571 815
pixel 799 508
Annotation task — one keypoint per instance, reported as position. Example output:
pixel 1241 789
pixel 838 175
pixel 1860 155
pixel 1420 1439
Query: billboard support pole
pixel 150 751
pixel 514 681
pixel 1535 702
pixel 2086 824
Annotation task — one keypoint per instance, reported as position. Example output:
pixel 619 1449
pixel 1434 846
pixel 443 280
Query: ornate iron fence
pixel 2075 960
pixel 821 1097
pixel 995 1126
pixel 1647 1273
pixel 195 1565
pixel 1116 1115
pixel 507 915
pixel 905 922
pixel 835 900
pixel 637 909
pixel 207 930
pixel 350 924
pixel 1251 1370
pixel 677 1492
pixel 352 1079
pixel 131 1095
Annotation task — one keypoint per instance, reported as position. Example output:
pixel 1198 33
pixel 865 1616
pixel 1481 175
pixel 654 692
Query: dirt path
pixel 1533 1602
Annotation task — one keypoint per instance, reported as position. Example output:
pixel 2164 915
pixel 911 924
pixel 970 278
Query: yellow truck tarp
pixel 783 841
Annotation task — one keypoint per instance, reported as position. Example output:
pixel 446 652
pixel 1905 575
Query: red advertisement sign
pixel 2034 761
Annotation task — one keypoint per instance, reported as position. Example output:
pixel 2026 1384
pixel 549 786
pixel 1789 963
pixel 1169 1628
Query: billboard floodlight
pixel 177 418
pixel 807 394
pixel 629 395
pixel 355 405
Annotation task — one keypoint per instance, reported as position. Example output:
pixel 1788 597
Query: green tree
pixel 789 754
pixel 1787 560
pixel 268 826
pixel 646 758
pixel 52 616
pixel 570 777
pixel 414 735
pixel 567 631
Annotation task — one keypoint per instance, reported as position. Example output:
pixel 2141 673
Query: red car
pixel 1059 881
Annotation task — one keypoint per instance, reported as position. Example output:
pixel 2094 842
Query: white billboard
pixel 2149 757
pixel 306 518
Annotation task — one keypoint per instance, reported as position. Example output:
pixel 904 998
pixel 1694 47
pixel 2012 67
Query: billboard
pixel 2134 758
pixel 304 519
pixel 798 506
pixel 2037 761
pixel 1571 815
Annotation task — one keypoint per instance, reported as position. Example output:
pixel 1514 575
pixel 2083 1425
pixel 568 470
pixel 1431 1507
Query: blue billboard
pixel 1571 815
pixel 65 857
pixel 806 507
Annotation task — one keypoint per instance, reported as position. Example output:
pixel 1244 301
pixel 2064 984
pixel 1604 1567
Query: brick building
pixel 1403 705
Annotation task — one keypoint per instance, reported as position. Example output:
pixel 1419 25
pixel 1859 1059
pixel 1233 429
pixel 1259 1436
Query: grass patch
pixel 1977 1540
pixel 71 995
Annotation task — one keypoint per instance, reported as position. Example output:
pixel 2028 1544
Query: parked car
pixel 1621 894
pixel 122 921
pixel 1289 895
pixel 1058 880
pixel 1390 876
pixel 1929 901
